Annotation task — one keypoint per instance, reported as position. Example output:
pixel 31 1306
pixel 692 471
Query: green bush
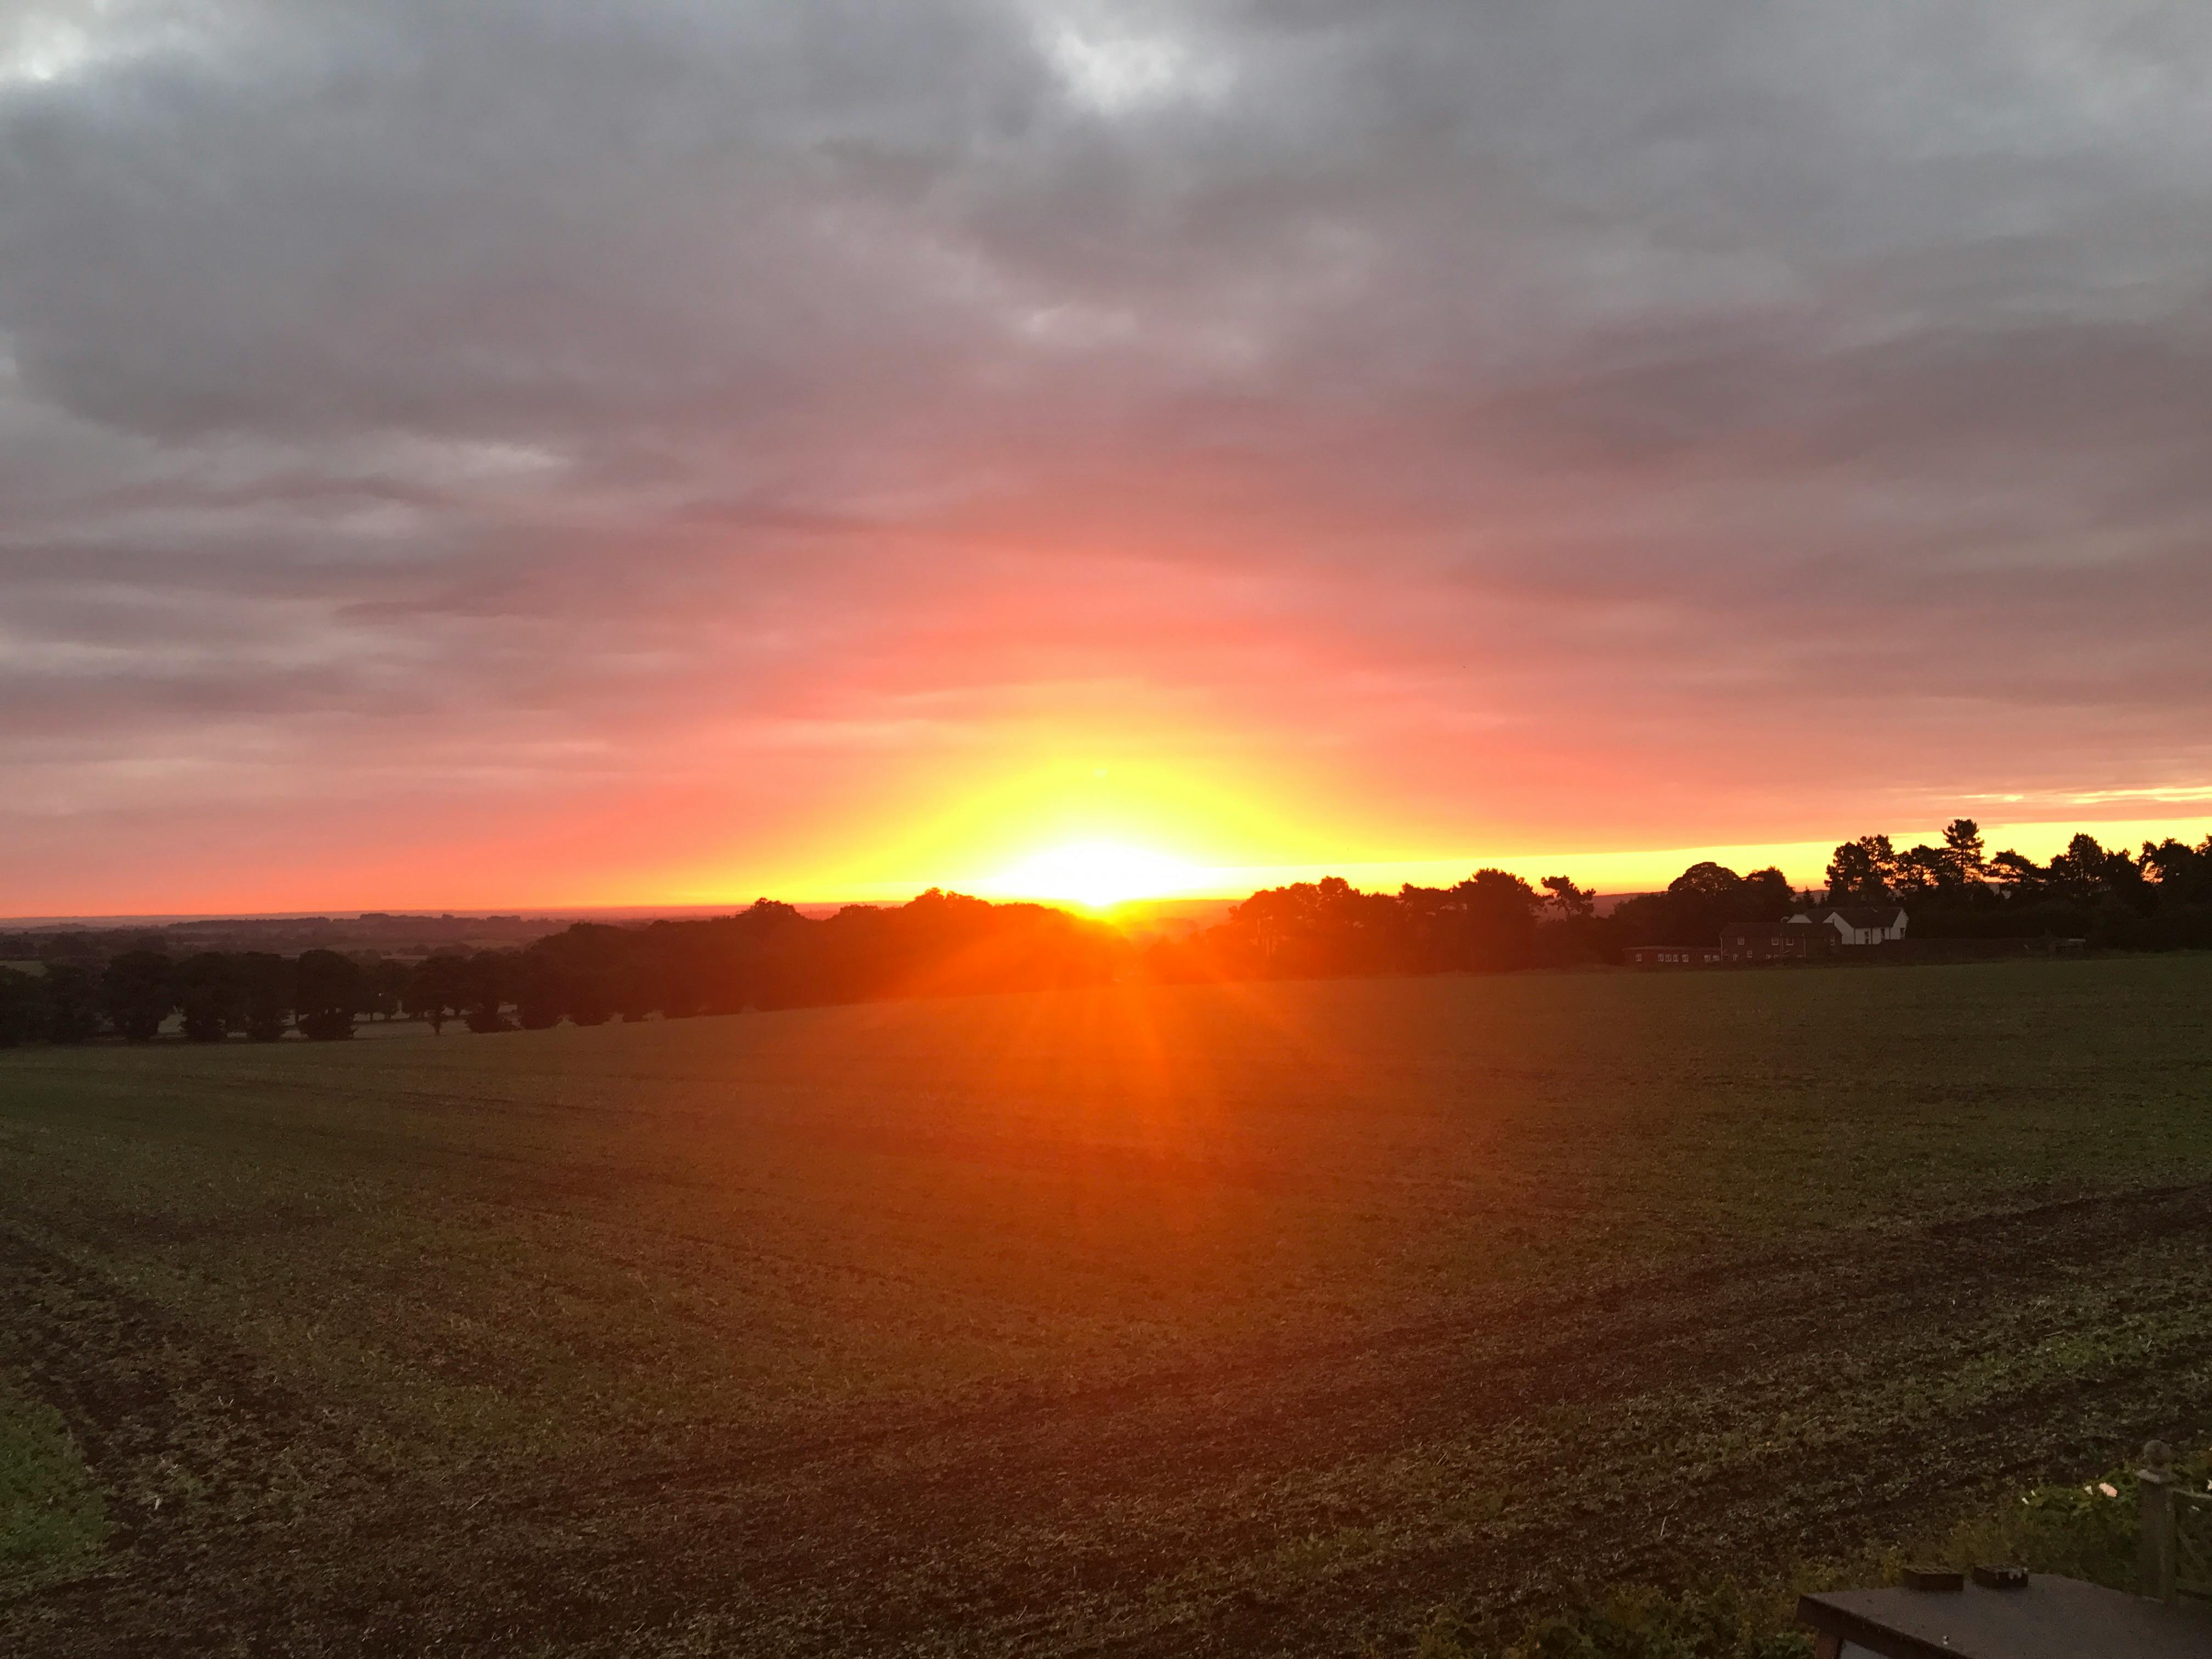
pixel 2085 1531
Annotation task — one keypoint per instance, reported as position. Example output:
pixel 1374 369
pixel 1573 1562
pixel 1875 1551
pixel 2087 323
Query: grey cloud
pixel 549 360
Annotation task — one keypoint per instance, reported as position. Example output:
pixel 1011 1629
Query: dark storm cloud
pixel 575 369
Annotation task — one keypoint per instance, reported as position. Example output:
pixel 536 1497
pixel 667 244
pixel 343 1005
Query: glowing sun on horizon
pixel 1097 873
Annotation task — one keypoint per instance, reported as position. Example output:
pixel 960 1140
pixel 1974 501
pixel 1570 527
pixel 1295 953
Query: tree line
pixel 2157 898
pixel 772 956
pixel 1491 922
pixel 256 993
pixel 1494 920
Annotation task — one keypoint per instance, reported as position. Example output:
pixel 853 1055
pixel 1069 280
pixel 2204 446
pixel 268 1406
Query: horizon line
pixel 1617 874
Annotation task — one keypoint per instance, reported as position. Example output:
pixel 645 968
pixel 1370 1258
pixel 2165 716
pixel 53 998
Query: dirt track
pixel 1731 1411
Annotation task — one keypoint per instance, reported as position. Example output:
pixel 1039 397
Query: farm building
pixel 1672 955
pixel 1855 924
pixel 1803 936
pixel 2003 1614
pixel 1774 941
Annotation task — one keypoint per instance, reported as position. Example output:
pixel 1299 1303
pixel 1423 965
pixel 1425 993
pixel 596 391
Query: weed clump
pixel 2085 1531
pixel 1637 1622
pixel 50 1513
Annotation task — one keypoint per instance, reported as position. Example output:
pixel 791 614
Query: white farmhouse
pixel 1856 924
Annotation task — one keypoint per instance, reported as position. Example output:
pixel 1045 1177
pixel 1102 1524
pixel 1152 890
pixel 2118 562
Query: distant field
pixel 1154 1321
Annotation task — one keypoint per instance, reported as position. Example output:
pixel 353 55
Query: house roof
pixel 2051 1618
pixel 1855 915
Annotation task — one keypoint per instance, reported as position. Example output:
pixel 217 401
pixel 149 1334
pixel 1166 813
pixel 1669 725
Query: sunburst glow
pixel 1099 874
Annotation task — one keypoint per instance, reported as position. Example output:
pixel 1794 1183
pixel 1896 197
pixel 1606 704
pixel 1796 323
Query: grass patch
pixel 51 1514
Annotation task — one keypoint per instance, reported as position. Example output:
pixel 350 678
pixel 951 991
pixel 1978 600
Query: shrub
pixel 2085 1531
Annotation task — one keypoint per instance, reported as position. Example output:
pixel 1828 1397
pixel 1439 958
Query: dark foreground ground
pixel 1162 1322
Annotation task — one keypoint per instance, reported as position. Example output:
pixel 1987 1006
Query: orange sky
pixel 705 737
pixel 1186 831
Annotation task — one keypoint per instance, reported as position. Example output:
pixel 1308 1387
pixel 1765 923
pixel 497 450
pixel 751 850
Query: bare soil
pixel 1134 1517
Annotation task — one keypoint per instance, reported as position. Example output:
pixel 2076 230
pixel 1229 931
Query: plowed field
pixel 1162 1321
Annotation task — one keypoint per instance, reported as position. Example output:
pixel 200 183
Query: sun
pixel 1098 874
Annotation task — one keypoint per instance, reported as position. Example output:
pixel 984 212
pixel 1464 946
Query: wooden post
pixel 2157 1558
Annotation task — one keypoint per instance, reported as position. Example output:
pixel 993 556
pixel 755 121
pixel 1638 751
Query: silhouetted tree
pixel 326 989
pixel 490 979
pixel 1570 903
pixel 1329 927
pixel 1918 872
pixel 2087 870
pixel 772 956
pixel 635 987
pixel 437 989
pixel 678 961
pixel 1700 902
pixel 383 986
pixel 1921 872
pixel 2183 873
pixel 1571 933
pixel 210 995
pixel 137 989
pixel 591 961
pixel 541 989
pixel 2180 878
pixel 265 987
pixel 2020 876
pixel 1962 844
pixel 24 1013
pixel 2105 894
pixel 73 1002
pixel 1764 897
pixel 1497 914
pixel 1860 872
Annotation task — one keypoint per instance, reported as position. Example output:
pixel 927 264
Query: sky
pixel 535 452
